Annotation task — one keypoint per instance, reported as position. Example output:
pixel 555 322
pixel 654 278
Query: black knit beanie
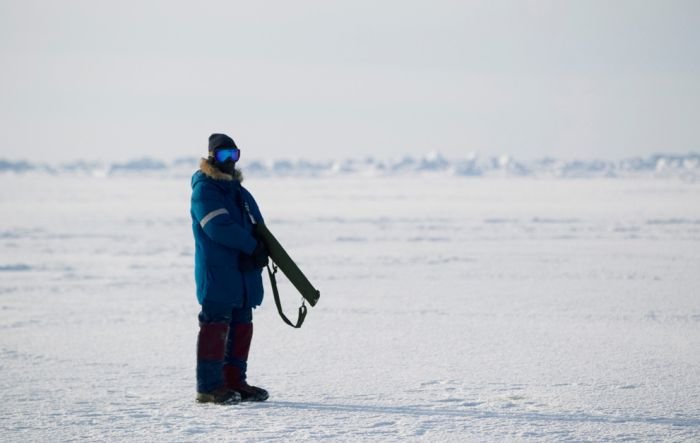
pixel 221 141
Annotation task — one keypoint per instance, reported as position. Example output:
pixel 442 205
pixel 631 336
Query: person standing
pixel 228 272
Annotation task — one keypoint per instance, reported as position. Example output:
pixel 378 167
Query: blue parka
pixel 223 231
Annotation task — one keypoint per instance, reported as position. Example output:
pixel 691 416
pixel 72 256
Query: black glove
pixel 260 255
pixel 258 259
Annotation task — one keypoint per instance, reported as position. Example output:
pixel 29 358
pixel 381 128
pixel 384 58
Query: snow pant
pixel 223 344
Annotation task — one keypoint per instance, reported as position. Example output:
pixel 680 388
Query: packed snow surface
pixel 452 309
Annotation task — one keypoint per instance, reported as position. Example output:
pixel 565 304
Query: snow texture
pixel 451 309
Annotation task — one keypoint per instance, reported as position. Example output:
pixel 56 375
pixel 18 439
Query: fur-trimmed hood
pixel 211 171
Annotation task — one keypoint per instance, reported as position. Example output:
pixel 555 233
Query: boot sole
pixel 205 398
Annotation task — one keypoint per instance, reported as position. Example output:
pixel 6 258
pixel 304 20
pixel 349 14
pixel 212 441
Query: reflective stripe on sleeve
pixel 211 215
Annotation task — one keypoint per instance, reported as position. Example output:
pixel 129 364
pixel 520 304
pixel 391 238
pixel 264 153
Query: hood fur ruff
pixel 211 171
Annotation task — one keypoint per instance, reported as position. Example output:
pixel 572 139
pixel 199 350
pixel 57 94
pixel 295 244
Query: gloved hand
pixel 258 259
pixel 260 255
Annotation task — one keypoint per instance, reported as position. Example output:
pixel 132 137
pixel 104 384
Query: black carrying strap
pixel 302 308
pixel 273 283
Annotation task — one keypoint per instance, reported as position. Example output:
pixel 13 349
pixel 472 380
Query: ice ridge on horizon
pixel 660 165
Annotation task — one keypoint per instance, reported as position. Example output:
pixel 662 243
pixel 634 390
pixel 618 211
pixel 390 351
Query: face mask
pixel 226 167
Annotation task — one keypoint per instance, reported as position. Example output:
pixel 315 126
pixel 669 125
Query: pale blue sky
pixel 336 79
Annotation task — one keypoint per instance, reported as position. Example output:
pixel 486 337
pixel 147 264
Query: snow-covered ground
pixel 452 309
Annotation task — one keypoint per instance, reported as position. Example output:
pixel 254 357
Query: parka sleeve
pixel 254 208
pixel 210 211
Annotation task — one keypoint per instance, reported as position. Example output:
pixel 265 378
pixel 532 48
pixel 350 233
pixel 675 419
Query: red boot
pixel 238 345
pixel 211 347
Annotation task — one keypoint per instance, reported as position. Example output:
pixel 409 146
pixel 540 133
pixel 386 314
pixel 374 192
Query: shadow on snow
pixel 522 416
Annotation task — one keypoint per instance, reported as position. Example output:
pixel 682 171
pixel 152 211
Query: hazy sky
pixel 339 79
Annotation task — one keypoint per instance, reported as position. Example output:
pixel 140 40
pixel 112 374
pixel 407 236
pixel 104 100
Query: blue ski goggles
pixel 223 155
